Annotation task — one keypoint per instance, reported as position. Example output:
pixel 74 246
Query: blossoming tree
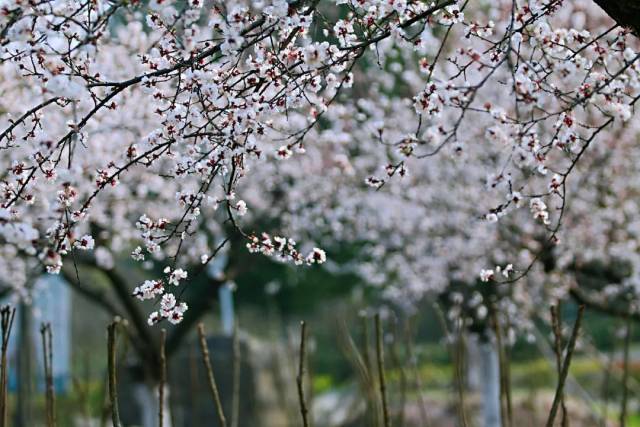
pixel 145 127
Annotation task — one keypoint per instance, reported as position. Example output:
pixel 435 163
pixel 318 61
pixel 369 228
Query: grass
pixel 536 374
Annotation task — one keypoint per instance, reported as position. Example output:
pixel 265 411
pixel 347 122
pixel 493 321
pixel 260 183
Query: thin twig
pixel 381 378
pixel 163 376
pixel 556 326
pixel 212 380
pixel 45 331
pixel 625 377
pixel 367 381
pixel 7 315
pixel 565 367
pixel 304 412
pixel 113 392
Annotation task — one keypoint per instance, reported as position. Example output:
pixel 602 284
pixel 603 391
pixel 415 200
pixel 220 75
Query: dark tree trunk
pixel 625 12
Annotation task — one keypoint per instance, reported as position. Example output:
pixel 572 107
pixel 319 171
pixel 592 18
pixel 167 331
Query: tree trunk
pixel 625 12
pixel 490 379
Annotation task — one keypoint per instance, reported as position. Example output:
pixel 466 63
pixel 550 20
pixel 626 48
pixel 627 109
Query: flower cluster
pixel 284 249
pixel 171 309
pixel 491 274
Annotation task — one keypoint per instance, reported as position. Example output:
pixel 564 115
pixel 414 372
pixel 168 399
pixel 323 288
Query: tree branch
pixel 94 295
pixel 581 298
pixel 132 311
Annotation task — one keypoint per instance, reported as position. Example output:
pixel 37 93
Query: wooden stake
pixel 113 392
pixel 382 381
pixel 304 412
pixel 47 352
pixel 212 380
pixel 7 315
pixel 565 367
pixel 556 326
